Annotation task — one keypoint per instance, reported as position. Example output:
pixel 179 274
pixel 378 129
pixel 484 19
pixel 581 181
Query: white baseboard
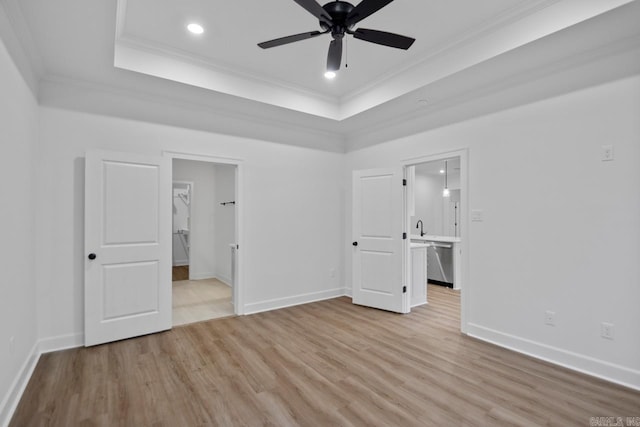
pixel 274 304
pixel 224 279
pixel 195 275
pixel 46 345
pixel 181 263
pixel 10 401
pixel 62 342
pixel 576 362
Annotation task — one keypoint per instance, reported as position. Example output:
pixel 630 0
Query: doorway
pixel 436 203
pixel 204 239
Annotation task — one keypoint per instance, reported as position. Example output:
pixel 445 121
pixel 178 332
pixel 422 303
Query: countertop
pixel 413 245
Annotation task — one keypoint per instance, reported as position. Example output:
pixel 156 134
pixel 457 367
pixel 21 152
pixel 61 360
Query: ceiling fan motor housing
pixel 338 10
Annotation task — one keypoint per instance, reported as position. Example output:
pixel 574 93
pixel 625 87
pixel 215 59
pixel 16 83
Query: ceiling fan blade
pixel 384 38
pixel 364 9
pixel 335 55
pixel 316 10
pixel 290 39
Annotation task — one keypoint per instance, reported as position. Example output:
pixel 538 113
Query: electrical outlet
pixel 550 318
pixel 607 153
pixel 607 330
pixel 332 272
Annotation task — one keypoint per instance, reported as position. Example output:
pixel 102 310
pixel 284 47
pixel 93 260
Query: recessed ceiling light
pixel 423 102
pixel 330 75
pixel 195 28
pixel 441 170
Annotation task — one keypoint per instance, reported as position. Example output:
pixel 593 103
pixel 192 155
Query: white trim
pixel 61 342
pixel 574 361
pixel 121 16
pixel 15 34
pixel 277 303
pixel 146 46
pixel 12 398
pixel 17 388
pixel 463 154
pixel 224 279
pixel 202 275
pixel 238 295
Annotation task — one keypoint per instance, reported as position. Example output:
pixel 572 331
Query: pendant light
pixel 445 192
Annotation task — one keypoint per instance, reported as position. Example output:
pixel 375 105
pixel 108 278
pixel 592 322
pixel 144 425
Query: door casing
pixel 465 295
pixel 238 290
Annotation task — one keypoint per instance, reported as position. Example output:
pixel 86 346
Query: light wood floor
pixel 323 364
pixel 198 300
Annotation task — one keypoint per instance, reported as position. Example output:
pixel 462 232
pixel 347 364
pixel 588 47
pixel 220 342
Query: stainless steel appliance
pixel 440 263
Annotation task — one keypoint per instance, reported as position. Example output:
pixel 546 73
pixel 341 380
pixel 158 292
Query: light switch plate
pixel 607 153
pixel 477 215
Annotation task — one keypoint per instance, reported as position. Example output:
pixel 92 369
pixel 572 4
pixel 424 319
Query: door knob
pixel 355 243
pixel 92 256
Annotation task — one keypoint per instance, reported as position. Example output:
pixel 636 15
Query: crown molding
pixel 133 53
pixel 611 61
pixel 485 28
pixel 154 62
pixel 19 41
pixel 147 46
pixel 187 112
pixel 517 28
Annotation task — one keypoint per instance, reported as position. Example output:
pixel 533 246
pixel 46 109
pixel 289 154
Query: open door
pixel 378 241
pixel 127 246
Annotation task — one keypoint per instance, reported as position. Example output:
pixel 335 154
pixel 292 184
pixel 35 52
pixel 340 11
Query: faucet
pixel 419 225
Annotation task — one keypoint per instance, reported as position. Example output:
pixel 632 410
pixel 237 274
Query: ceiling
pixel 234 28
pixel 464 49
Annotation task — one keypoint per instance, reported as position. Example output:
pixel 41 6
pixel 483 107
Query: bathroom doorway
pixel 204 240
pixel 436 225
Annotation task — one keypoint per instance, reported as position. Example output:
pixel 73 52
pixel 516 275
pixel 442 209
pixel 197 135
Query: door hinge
pixel 404 289
pixel 404 236
pixel 404 182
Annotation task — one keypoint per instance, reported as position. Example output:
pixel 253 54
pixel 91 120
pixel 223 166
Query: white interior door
pixel 127 246
pixel 377 240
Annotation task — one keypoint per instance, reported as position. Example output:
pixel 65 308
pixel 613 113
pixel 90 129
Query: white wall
pixel 292 222
pixel 18 258
pixel 225 221
pixel 202 232
pixel 435 211
pixel 561 229
pixel 429 205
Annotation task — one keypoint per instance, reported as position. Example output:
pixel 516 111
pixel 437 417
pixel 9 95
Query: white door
pixel 127 246
pixel 377 240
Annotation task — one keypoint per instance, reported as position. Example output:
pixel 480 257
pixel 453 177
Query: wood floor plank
pixel 326 363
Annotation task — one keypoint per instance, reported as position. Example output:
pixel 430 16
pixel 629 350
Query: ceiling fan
pixel 339 18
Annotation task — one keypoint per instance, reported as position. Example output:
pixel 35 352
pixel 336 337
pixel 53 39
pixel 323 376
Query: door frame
pixel 238 288
pixel 464 223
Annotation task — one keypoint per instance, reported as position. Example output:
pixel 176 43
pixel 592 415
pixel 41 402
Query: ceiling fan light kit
pixel 338 18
